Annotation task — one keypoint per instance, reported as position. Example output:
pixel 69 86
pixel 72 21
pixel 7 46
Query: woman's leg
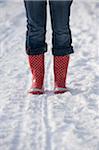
pixel 35 42
pixel 62 40
pixel 61 36
pixel 36 27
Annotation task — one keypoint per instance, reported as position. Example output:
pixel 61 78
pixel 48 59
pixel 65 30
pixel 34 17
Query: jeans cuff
pixel 63 52
pixel 36 51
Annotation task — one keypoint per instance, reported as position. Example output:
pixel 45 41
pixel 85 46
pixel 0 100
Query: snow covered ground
pixel 49 122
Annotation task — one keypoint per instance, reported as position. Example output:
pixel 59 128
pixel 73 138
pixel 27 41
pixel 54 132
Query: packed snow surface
pixel 68 121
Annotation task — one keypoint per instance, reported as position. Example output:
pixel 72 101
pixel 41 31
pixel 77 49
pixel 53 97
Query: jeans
pixel 36 13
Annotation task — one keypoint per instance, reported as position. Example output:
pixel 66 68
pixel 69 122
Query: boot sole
pixel 36 91
pixel 60 90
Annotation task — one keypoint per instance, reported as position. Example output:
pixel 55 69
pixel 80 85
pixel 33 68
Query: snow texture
pixel 68 121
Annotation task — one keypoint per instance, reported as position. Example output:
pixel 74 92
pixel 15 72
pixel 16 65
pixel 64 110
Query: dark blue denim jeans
pixel 36 12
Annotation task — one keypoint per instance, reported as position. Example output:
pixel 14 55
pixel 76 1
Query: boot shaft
pixel 60 70
pixel 37 68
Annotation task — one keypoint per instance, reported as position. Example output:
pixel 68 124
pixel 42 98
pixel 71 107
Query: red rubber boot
pixel 36 63
pixel 60 72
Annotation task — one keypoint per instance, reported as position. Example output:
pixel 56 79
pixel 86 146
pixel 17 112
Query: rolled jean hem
pixel 62 52
pixel 36 51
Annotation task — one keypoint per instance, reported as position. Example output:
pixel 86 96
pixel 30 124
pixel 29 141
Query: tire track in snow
pixel 35 132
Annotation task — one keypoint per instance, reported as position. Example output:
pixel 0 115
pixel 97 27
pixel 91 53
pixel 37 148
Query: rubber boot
pixel 60 73
pixel 36 63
